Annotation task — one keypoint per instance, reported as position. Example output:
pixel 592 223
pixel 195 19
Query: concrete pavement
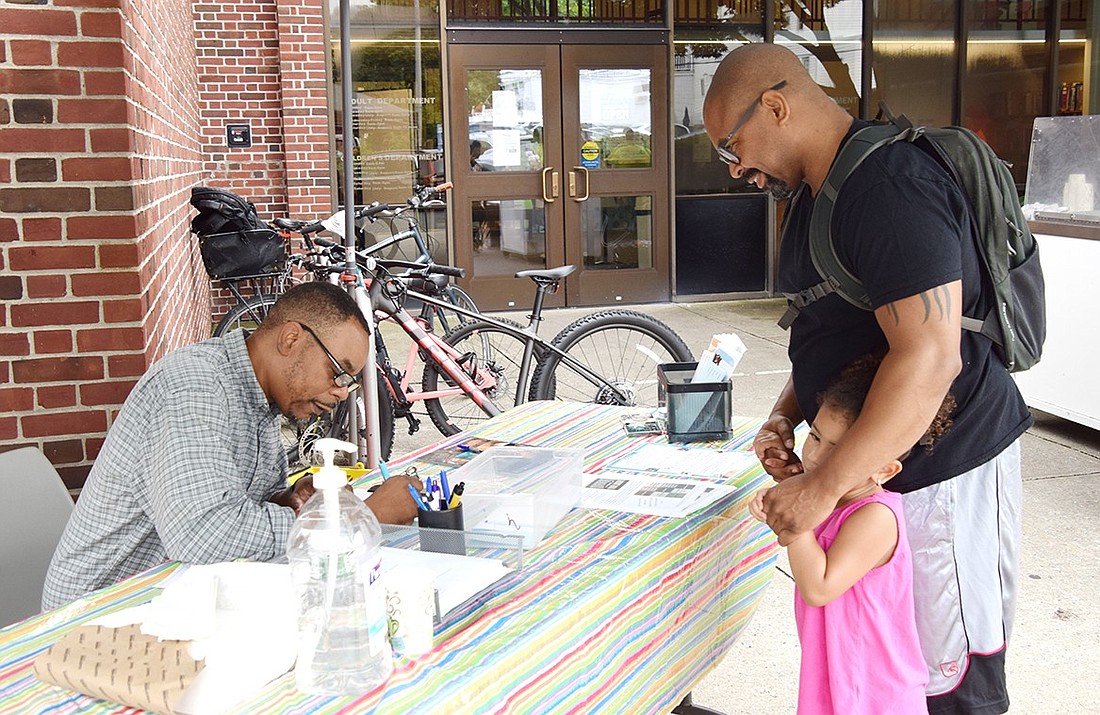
pixel 1052 650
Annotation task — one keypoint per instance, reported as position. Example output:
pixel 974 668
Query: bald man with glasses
pixel 193 468
pixel 902 226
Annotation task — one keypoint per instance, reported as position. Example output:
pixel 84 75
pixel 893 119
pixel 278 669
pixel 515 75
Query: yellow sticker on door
pixel 590 155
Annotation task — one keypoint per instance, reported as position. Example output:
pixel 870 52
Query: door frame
pixel 542 49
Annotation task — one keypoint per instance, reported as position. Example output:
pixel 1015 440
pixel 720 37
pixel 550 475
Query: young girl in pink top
pixel 853 578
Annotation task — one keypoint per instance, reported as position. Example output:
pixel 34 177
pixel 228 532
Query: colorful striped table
pixel 611 613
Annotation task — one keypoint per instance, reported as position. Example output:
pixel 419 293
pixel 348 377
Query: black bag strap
pixel 836 276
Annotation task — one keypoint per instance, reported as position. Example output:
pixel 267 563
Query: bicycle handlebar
pixel 428 268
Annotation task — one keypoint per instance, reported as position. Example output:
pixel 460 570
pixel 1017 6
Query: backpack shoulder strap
pixel 836 276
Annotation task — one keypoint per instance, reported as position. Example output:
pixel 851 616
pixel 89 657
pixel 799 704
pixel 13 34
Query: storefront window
pixel 705 32
pixel 914 60
pixel 1003 89
pixel 397 112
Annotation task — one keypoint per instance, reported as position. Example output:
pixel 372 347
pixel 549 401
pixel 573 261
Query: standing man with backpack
pixel 903 227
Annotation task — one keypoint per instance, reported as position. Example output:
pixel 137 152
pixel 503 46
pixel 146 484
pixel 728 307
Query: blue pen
pixel 428 487
pixel 416 498
pixel 468 448
pixel 446 487
pixel 384 469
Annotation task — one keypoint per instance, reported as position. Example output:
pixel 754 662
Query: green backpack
pixel 1009 254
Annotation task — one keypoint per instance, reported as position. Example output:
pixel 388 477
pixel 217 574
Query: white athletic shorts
pixel 965 538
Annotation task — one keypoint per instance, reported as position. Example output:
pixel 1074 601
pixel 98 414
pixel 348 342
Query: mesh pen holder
pixel 697 411
pixel 442 531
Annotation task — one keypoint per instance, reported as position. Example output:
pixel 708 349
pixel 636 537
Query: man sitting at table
pixel 193 468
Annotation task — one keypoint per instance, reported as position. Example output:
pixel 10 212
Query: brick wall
pixel 110 111
pixel 262 62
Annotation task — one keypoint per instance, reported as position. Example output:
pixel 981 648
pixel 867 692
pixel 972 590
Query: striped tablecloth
pixel 611 613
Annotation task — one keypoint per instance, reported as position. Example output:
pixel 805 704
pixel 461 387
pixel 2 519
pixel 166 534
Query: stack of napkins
pixel 212 638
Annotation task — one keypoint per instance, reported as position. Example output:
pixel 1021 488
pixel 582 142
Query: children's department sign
pixel 590 155
pixel 387 160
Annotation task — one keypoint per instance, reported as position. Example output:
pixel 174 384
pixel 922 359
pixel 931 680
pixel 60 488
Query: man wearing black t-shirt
pixel 901 226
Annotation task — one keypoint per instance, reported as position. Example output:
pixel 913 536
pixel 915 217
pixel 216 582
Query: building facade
pixel 572 130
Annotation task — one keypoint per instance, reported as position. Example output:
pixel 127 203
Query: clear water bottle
pixel 335 561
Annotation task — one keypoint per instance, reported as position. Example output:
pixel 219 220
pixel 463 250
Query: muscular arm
pixel 923 333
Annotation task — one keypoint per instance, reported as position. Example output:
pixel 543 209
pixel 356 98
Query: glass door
pixel 615 137
pixel 567 163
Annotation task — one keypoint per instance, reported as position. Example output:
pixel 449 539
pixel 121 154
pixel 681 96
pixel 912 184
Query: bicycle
pixel 483 367
pixel 321 255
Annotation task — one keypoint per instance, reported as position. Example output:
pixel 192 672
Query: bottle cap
pixel 329 476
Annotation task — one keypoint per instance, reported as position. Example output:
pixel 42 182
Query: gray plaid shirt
pixel 184 475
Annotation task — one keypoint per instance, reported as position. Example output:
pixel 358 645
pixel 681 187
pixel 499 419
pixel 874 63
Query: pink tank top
pixel 860 653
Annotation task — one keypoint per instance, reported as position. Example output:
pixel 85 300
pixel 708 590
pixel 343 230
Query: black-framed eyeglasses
pixel 727 156
pixel 342 378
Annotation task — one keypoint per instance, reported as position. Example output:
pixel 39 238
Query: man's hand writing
pixel 391 501
pixel 774 447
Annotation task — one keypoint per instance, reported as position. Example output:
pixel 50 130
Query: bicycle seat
pixel 547 275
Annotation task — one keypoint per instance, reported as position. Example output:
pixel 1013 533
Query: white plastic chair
pixel 37 508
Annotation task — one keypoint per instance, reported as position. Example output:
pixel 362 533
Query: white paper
pixel 720 358
pixel 659 496
pixel 674 460
pixel 456 577
pixel 505 110
pixel 506 148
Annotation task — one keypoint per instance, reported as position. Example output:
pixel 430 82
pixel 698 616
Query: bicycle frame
pixel 528 334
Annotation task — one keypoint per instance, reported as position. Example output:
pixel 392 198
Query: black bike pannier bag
pixel 233 240
pixel 241 253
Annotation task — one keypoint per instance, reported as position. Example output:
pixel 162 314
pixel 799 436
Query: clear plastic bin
pixel 520 490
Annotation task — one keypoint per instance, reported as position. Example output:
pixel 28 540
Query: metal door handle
pixel 553 195
pixel 573 184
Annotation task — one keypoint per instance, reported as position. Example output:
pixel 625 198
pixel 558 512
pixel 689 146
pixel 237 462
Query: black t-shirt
pixel 901 225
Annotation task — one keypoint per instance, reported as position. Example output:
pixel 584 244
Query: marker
pixel 384 469
pixel 456 495
pixel 416 498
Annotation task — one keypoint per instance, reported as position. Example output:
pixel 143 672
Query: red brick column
pixel 98 150
pixel 303 56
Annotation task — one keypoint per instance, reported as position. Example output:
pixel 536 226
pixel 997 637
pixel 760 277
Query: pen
pixel 446 487
pixel 384 469
pixel 456 495
pixel 416 498
pixel 468 448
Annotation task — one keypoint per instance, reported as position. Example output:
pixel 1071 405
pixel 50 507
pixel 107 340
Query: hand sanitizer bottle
pixel 334 551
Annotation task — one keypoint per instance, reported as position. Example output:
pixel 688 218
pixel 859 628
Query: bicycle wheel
pixel 483 347
pixel 449 319
pixel 335 424
pixel 245 315
pixel 622 346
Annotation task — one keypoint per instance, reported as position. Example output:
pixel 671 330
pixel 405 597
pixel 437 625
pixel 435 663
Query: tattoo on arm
pixel 937 300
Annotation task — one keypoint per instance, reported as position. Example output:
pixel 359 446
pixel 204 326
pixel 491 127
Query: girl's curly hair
pixel 849 390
